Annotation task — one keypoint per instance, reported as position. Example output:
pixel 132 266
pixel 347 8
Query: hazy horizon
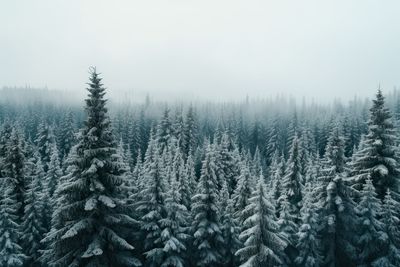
pixel 206 50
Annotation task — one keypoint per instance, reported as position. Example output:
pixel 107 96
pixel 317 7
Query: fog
pixel 218 50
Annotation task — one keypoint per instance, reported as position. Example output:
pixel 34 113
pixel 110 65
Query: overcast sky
pixel 215 49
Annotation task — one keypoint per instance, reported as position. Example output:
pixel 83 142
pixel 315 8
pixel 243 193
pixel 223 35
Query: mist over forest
pixel 207 133
pixel 256 182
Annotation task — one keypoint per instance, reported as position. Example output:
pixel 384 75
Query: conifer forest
pixel 254 183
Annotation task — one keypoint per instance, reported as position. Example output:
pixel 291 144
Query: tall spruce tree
pixel 391 220
pixel 14 169
pixel 34 221
pixel 378 158
pixel 333 196
pixel 229 227
pixel 370 235
pixel 95 219
pixel 263 244
pixel 206 226
pixel 292 181
pixel 67 136
pixel 11 254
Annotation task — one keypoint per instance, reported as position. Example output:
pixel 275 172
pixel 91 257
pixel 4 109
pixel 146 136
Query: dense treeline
pixel 256 183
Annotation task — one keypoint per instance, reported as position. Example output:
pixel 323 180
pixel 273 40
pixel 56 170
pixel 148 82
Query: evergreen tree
pixel 263 244
pixel 54 172
pixel 44 141
pixel 95 220
pixel 333 194
pixel 11 254
pixel 191 131
pixel 14 170
pixel 152 206
pixel 378 158
pixel 67 136
pixel 370 234
pixel 243 193
pixel 292 181
pixel 286 222
pixel 206 226
pixel 174 230
pixel 391 220
pixel 308 245
pixel 34 225
pixel 164 130
pixel 229 227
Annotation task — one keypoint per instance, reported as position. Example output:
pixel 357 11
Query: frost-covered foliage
pixel 11 253
pixel 95 220
pixel 371 236
pixel 206 226
pixel 263 244
pixel 183 186
pixel 378 158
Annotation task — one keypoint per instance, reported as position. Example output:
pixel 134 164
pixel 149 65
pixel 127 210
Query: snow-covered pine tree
pixel 34 222
pixel 243 192
pixel 174 235
pixel 391 220
pixel 164 130
pixel 263 245
pixel 190 174
pixel 191 131
pixel 228 168
pixel 287 221
pixel 308 245
pixel 378 157
pixel 54 172
pixel 229 227
pixel 257 166
pixel 67 136
pixel 44 141
pixel 292 181
pixel 14 169
pixel 153 209
pixel 93 215
pixel 206 226
pixel 370 234
pixel 335 206
pixel 184 181
pixel 11 254
pixel 272 144
pixel 179 128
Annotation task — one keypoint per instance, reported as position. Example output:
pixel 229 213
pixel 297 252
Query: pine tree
pixel 95 220
pixel 243 192
pixel 164 130
pixel 54 172
pixel 292 181
pixel 34 225
pixel 391 220
pixel 378 159
pixel 11 254
pixel 191 138
pixel 333 195
pixel 152 206
pixel 206 226
pixel 229 227
pixel 227 163
pixel 286 222
pixel 67 136
pixel 263 244
pixel 308 245
pixel 174 230
pixel 13 168
pixel 44 141
pixel 370 234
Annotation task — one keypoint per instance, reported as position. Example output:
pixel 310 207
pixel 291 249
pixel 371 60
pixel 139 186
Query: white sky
pixel 213 49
